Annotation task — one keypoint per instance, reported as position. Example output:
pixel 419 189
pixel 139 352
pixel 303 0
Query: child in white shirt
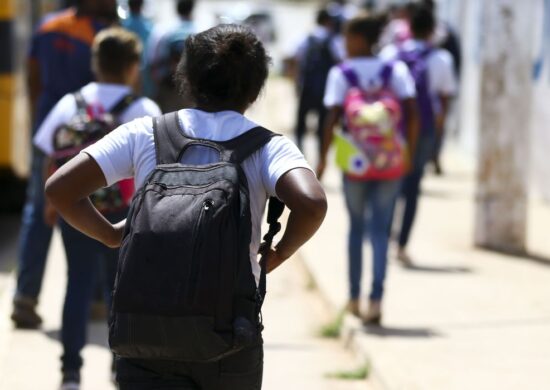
pixel 116 58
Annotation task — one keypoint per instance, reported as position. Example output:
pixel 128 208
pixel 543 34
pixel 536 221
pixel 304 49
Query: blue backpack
pixel 315 66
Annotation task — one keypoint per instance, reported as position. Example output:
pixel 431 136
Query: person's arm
pixel 333 118
pixel 412 125
pixel 441 117
pixel 50 213
pixel 303 195
pixel 446 86
pixel 68 190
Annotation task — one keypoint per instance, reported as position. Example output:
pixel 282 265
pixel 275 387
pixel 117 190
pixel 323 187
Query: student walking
pixel 315 56
pixel 164 49
pixel 445 37
pixel 435 81
pixel 59 63
pixel 189 289
pixel 368 94
pixel 142 27
pixel 77 120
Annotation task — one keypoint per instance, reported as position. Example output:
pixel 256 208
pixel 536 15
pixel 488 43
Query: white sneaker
pixel 71 381
pixel 70 386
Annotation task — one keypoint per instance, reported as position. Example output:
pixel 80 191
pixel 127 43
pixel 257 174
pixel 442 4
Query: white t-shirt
pixel 368 71
pixel 441 76
pixel 130 151
pixel 100 97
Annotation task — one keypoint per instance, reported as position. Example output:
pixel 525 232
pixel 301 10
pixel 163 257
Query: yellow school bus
pixel 12 99
pixel 17 18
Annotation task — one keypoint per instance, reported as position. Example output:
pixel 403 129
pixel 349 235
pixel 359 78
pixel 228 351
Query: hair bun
pixel 236 47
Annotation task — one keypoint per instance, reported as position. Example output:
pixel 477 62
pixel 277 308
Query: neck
pixel 105 79
pixel 219 109
pixel 421 39
pixel 367 52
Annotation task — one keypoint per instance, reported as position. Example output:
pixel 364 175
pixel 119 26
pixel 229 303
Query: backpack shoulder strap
pixel 238 149
pixel 125 102
pixel 81 104
pixel 386 74
pixel 350 75
pixel 171 142
pixel 275 209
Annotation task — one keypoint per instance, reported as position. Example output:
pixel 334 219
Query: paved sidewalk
pixel 295 358
pixel 462 318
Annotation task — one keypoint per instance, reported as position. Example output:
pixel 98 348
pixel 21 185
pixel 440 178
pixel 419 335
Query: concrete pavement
pixel 295 358
pixel 462 317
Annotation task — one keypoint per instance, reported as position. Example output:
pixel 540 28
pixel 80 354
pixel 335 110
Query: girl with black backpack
pixel 224 70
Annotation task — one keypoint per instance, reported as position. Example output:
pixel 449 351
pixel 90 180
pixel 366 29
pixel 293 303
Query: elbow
pixel 52 190
pixel 315 205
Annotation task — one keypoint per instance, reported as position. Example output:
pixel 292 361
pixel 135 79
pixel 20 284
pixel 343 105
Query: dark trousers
pixel 306 105
pixel 87 261
pixel 410 189
pixel 241 371
pixel 35 235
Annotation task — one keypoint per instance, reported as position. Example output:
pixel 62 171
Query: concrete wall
pixel 466 16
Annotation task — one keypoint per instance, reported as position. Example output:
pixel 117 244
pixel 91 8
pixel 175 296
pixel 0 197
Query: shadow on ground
pixel 405 332
pixel 442 269
pixel 97 334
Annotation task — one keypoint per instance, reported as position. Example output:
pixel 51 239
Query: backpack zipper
pixel 206 211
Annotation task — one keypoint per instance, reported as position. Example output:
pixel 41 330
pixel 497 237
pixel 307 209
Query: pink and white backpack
pixel 372 121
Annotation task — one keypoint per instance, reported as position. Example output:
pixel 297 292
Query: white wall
pixel 466 16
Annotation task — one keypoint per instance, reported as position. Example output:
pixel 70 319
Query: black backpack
pixel 184 288
pixel 85 129
pixel 315 66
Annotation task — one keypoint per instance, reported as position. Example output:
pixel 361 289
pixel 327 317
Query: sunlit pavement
pixel 461 318
pixel 295 358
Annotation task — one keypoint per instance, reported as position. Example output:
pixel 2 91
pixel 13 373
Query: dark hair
pixel 370 27
pixel 323 17
pixel 223 68
pixel 430 4
pixel 135 5
pixel 185 7
pixel 114 50
pixel 422 22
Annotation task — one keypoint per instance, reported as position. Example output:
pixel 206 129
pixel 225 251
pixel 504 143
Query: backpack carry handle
pixel 171 141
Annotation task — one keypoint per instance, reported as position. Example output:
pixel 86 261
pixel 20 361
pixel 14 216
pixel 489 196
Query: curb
pixel 350 332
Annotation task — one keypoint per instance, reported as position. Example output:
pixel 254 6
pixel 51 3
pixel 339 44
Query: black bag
pixel 315 66
pixel 184 288
pixel 85 129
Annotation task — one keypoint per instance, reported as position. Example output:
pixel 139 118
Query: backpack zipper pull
pixel 207 205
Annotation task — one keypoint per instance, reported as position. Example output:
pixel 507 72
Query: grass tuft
pixel 359 374
pixel 333 329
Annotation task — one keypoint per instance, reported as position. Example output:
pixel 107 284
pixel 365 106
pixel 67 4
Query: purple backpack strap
pixel 386 74
pixel 350 75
